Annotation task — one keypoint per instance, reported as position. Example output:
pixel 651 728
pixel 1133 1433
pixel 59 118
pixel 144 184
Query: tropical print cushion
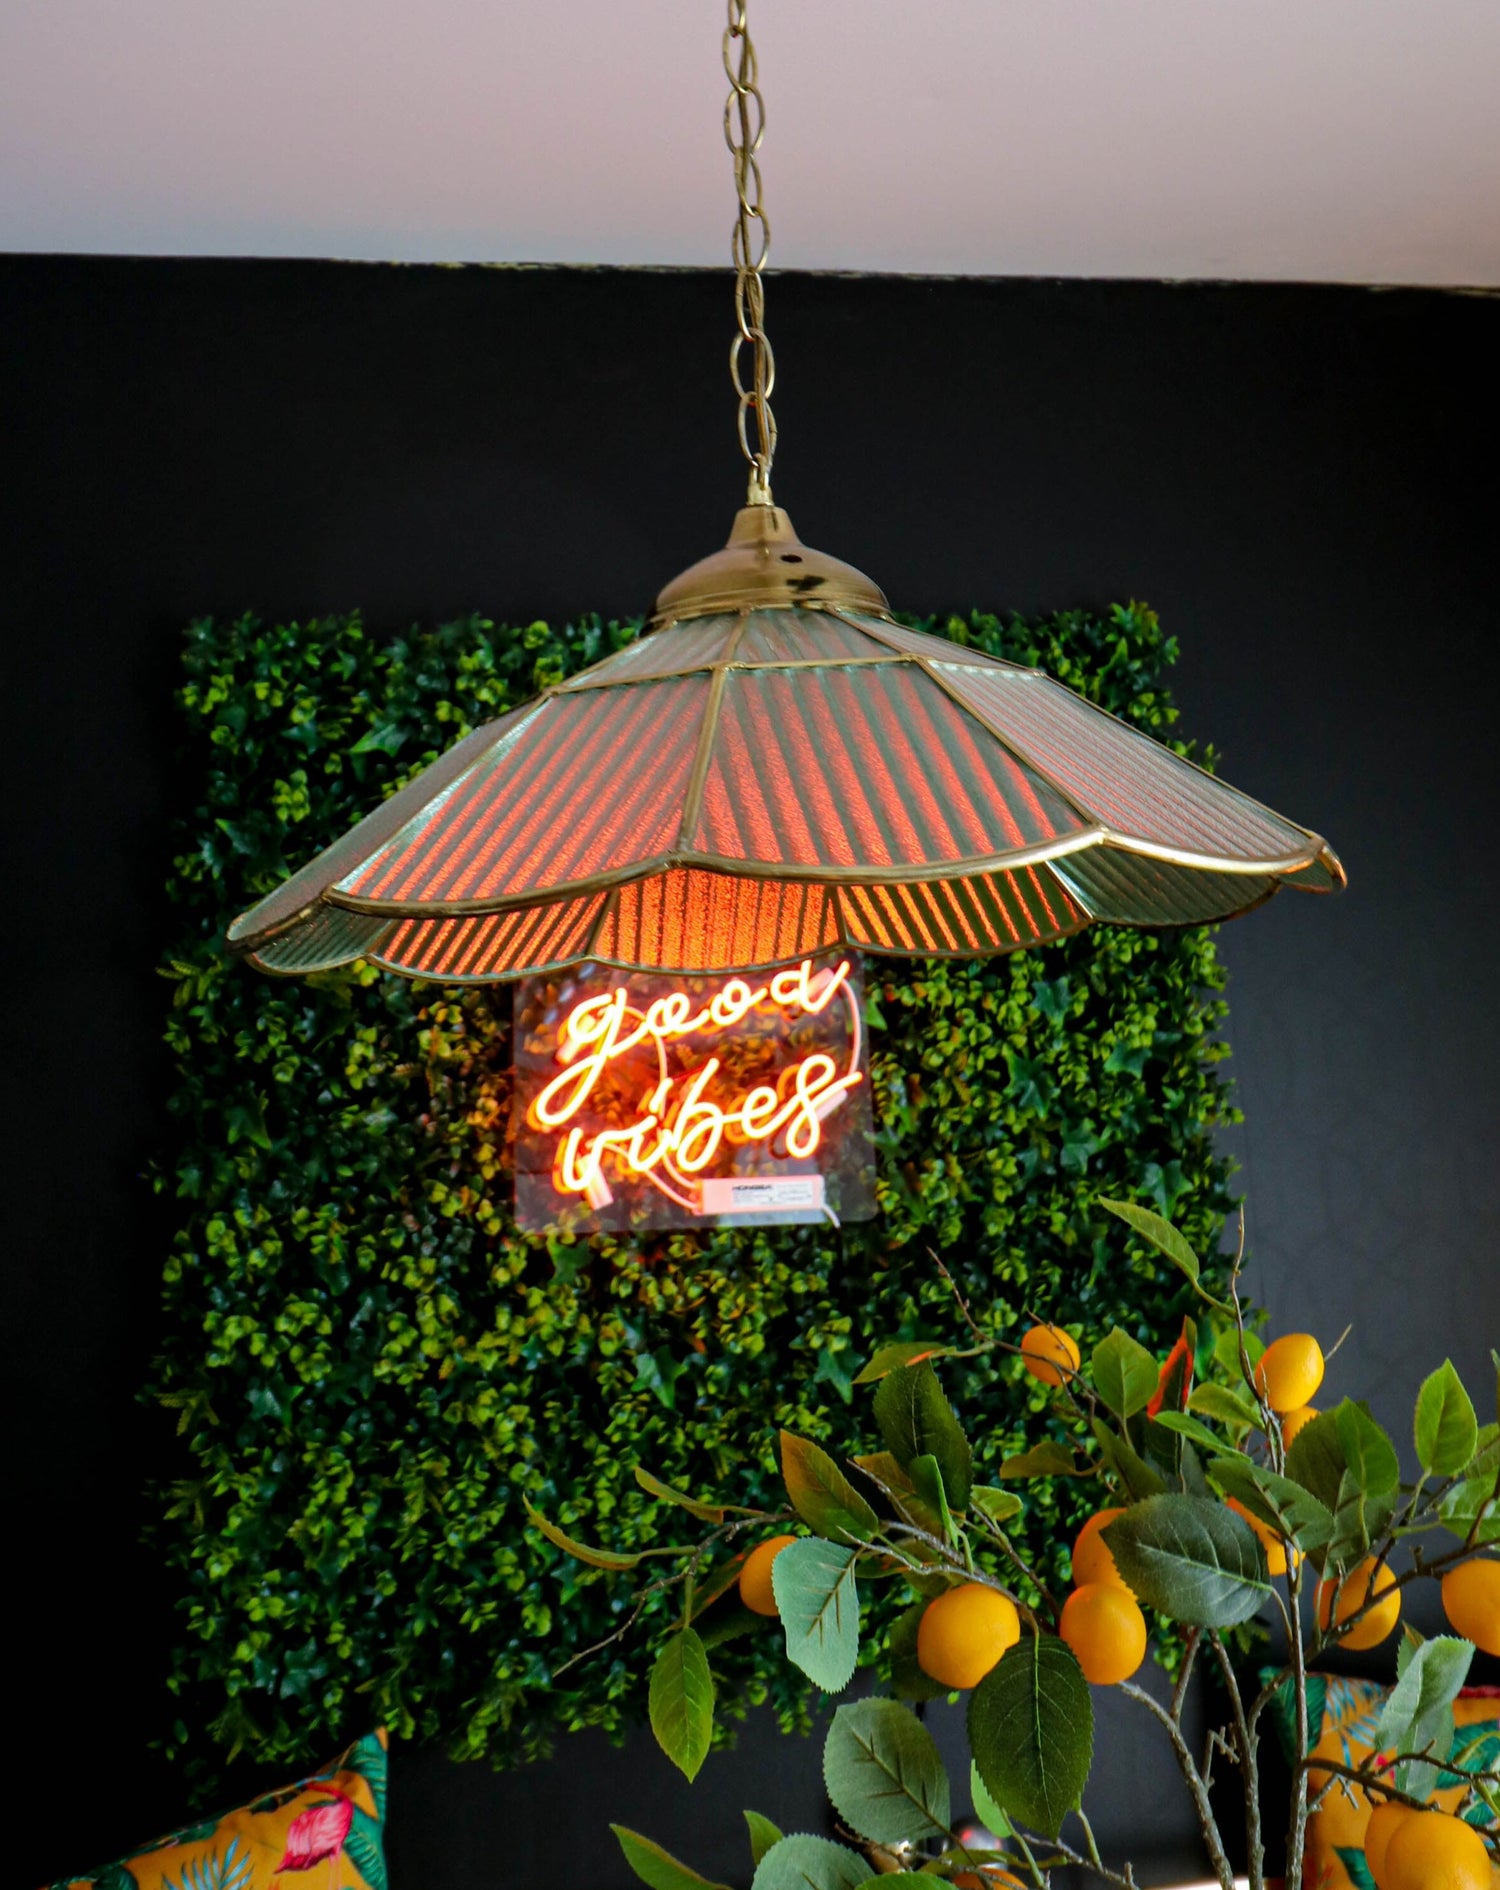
pixel 324 1831
pixel 1347 1712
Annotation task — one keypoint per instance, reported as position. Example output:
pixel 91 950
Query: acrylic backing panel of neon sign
pixel 659 1100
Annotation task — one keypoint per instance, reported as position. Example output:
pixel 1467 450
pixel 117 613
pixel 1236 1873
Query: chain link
pixel 744 127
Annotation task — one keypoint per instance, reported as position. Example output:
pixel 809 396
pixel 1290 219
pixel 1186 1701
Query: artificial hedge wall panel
pixel 371 1365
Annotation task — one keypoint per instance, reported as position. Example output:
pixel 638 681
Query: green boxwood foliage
pixel 372 1366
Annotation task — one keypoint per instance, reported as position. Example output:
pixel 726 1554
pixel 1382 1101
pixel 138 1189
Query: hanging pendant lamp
pixel 777 769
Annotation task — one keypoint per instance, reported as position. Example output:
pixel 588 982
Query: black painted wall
pixel 1299 480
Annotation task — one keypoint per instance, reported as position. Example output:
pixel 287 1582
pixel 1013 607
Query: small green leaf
pixel 1445 1426
pixel 822 1495
pixel 1184 1426
pixel 927 1477
pixel 916 1420
pixel 884 1774
pixel 904 1352
pixel 1225 1406
pixel 584 1552
pixel 1191 1558
pixel 657 1867
pixel 818 1600
pixel 802 1862
pixel 705 1512
pixel 895 1482
pixel 1031 1731
pixel 763 1834
pixel 1275 1500
pixel 1124 1373
pixel 1045 1459
pixel 1166 1240
pixel 999 1505
pixel 986 1810
pixel 1418 1713
pixel 1129 1466
pixel 681 1702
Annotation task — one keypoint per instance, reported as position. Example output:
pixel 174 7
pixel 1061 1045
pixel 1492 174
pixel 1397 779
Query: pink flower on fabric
pixel 317 1833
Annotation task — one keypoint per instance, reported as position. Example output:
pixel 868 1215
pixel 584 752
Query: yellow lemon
pixel 1290 1371
pixel 1378 1834
pixel 1106 1630
pixel 1471 1601
pixel 1432 1851
pixel 755 1577
pixel 1294 1421
pixel 964 1632
pixel 1374 1627
pixel 1049 1354
pixel 1092 1561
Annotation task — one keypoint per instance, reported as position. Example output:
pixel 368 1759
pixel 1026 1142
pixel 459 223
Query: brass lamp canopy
pixel 766 566
pixel 778 769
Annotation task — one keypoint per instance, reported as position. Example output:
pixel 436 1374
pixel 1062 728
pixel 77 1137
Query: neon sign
pixel 657 1101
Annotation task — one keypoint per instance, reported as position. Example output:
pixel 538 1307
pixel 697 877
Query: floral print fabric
pixel 323 1833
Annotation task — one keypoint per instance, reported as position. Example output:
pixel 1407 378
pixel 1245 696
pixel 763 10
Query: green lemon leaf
pixel 1191 1558
pixel 1124 1373
pixel 1275 1500
pixel 986 1810
pixel 999 1505
pixel 802 1862
pixel 916 1420
pixel 585 1552
pixel 763 1834
pixel 1045 1459
pixel 818 1601
pixel 657 1867
pixel 1184 1426
pixel 705 1512
pixel 927 1476
pixel 1227 1407
pixel 1031 1732
pixel 1445 1426
pixel 822 1495
pixel 884 1774
pixel 1418 1714
pixel 681 1702
pixel 1138 1477
pixel 1166 1240
pixel 904 1352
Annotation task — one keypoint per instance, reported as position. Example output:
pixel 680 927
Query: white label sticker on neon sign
pixel 651 1100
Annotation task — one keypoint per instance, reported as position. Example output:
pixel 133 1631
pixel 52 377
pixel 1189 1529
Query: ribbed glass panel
pixel 987 912
pixel 802 636
pixel 492 944
pixel 1132 889
pixel 1122 777
pixel 1325 874
pixel 329 936
pixel 896 636
pixel 863 768
pixel 377 827
pixel 694 921
pixel 593 784
pixel 670 652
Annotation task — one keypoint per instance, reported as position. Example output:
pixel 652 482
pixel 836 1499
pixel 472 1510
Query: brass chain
pixel 744 127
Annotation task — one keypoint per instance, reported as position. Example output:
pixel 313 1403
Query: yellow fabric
pixel 323 1833
pixel 1351 1710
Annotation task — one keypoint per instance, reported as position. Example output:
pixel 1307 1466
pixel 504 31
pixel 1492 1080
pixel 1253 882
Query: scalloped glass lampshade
pixel 775 770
